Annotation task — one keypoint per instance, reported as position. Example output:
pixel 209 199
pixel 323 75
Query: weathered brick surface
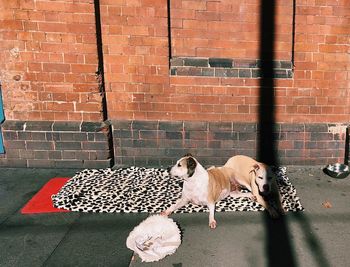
pixel 48 61
pixel 49 144
pixel 213 143
pixel 51 92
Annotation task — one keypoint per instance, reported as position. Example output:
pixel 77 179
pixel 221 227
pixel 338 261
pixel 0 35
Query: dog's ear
pixel 254 168
pixel 191 166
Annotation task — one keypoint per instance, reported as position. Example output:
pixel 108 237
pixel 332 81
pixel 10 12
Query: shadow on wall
pixel 279 247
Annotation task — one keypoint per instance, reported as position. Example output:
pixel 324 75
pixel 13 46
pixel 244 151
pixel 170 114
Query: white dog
pixel 204 187
pixel 260 180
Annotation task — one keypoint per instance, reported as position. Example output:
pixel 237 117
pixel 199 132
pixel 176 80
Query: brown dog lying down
pixel 203 187
pixel 260 180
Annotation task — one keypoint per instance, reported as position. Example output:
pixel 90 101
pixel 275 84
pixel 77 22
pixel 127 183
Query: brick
pixel 12 125
pixel 39 145
pixel 173 135
pixel 68 145
pixel 177 62
pixel 14 163
pixel 196 62
pixel 121 125
pixel 94 145
pixel 91 126
pixel 220 62
pixel 69 164
pixel 152 134
pixel 38 126
pixel 14 144
pixel 40 163
pixel 102 155
pixel 66 126
pixel 13 153
pixel 52 136
pixel 247 136
pixel 195 126
pixel 10 135
pixel 321 136
pixel 170 126
pixel 220 126
pixel 292 127
pixel 145 125
pixel 52 155
pixel 64 136
pixel 169 143
pixel 97 164
pixel 244 127
pixel 38 136
pixel 244 73
pixel 38 155
pixel 144 143
pixel 225 136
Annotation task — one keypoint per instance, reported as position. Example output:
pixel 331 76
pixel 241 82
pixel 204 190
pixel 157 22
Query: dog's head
pixel 263 178
pixel 184 167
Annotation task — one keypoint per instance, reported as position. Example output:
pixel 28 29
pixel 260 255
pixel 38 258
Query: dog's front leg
pixel 212 222
pixel 179 204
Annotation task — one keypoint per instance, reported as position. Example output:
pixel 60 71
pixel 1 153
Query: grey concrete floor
pixel 318 236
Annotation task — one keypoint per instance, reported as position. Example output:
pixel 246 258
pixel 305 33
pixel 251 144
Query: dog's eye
pixel 260 177
pixel 178 165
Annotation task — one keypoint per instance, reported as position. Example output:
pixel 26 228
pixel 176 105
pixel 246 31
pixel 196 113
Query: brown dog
pixel 260 180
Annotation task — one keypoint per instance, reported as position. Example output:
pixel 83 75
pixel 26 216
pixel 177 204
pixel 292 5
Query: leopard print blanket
pixel 150 190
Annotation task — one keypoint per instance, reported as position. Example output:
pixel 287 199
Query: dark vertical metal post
pixel 266 145
pixel 169 33
pixel 279 249
pixel 293 34
pixel 101 77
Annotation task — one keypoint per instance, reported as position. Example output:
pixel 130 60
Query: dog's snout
pixel 266 187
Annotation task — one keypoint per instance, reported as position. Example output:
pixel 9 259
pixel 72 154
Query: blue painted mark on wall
pixel 2 118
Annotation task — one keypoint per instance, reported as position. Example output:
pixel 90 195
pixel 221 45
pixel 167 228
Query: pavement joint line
pixel 63 238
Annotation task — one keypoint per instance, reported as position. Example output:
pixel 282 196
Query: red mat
pixel 41 201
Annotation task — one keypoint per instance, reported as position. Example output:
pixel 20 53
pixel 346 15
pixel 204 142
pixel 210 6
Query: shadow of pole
pixel 278 246
pixel 314 245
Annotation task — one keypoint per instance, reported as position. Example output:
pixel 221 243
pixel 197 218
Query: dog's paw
pixel 165 213
pixel 254 198
pixel 212 224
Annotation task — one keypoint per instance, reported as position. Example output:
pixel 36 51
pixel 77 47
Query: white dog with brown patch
pixel 204 187
pixel 260 180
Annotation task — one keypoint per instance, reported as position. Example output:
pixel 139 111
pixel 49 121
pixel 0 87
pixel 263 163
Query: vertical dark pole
pixel 169 33
pixel 347 146
pixel 266 145
pixel 100 71
pixel 101 77
pixel 279 249
pixel 293 34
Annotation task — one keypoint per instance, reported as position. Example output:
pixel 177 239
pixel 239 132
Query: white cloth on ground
pixel 154 238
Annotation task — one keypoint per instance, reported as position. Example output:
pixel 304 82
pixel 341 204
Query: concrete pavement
pixel 319 236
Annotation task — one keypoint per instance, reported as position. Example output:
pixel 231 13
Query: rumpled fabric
pixel 154 238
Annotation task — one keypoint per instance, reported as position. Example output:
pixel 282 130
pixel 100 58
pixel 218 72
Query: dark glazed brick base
pixel 48 144
pixel 226 67
pixel 161 143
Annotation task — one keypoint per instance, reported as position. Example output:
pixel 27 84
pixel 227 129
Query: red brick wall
pixel 137 66
pixel 226 29
pixel 48 60
pixel 136 58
